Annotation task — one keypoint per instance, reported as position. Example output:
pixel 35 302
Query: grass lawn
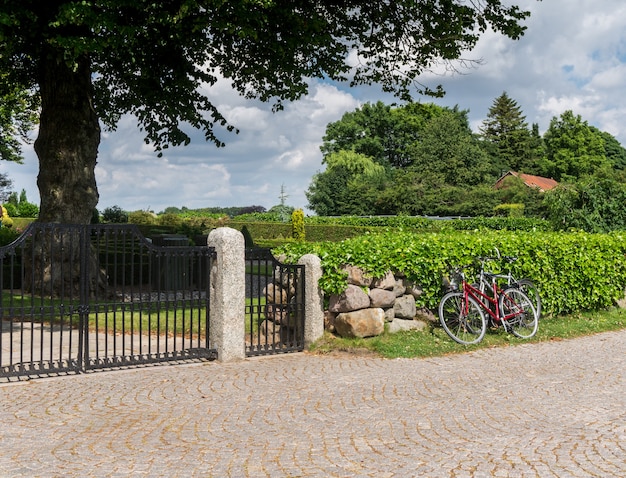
pixel 171 318
pixel 435 342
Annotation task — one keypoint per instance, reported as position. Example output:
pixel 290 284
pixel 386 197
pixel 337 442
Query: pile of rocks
pixel 368 303
pixel 280 308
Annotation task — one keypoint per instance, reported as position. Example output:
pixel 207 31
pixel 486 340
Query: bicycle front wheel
pixel 524 321
pixel 463 321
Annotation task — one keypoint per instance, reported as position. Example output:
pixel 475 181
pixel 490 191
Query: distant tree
pixel 591 204
pixel 614 151
pixel 282 211
pixel 382 132
pixel 172 210
pixel 573 148
pixel 18 116
pixel 24 208
pixel 338 190
pixel 251 209
pixel 5 185
pixel 506 129
pixel 27 209
pixel 115 214
pixel 448 148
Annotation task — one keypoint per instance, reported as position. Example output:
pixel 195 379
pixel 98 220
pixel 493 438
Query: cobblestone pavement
pixel 550 409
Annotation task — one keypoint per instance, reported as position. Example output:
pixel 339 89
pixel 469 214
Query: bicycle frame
pixel 475 293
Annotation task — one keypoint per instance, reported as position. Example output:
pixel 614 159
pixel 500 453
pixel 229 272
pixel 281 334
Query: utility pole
pixel 283 209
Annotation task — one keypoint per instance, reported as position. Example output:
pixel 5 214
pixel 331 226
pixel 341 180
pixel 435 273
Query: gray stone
pixel 360 323
pixel 275 294
pixel 357 277
pixel 389 315
pixel 382 298
pixel 398 325
pixel 281 314
pixel 329 321
pixel 270 330
pixel 285 280
pixel 426 315
pixel 387 282
pixel 353 298
pixel 399 289
pixel 414 289
pixel 404 307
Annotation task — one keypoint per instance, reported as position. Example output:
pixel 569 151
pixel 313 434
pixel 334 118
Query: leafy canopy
pixel 156 59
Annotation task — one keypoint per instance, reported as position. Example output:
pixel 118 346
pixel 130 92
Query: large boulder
pixel 357 277
pixel 275 294
pixel 382 298
pixel 404 307
pixel 387 282
pixel 360 323
pixel 353 298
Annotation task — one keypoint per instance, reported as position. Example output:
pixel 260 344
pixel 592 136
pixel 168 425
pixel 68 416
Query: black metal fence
pixel 274 304
pixel 75 298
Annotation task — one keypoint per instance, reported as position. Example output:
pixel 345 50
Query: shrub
pixel 297 225
pixel 168 219
pixel 11 209
pixel 8 235
pixel 27 209
pixel 142 217
pixel 510 210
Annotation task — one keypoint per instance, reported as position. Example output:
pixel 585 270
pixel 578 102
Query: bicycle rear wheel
pixel 529 288
pixel 463 321
pixel 525 322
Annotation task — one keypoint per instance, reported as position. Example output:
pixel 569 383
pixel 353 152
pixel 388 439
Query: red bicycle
pixel 462 310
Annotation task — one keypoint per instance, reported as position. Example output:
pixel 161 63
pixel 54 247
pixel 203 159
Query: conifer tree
pixel 506 128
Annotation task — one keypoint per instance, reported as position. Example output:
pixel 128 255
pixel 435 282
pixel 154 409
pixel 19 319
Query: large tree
pixel 573 148
pixel 91 61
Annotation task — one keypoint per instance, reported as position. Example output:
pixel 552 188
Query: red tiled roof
pixel 541 183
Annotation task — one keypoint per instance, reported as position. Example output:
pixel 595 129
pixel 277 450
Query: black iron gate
pixel 274 304
pixel 75 298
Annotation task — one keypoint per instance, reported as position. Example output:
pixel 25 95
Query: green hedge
pixel 574 271
pixel 416 223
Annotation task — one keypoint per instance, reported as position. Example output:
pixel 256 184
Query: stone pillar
pixel 228 301
pixel 314 299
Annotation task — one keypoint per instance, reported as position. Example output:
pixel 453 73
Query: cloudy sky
pixel 573 56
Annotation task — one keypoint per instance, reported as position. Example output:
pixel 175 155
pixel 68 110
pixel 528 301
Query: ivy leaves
pixel 574 271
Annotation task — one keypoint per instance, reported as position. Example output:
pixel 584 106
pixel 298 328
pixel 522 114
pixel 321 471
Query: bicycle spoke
pixel 523 322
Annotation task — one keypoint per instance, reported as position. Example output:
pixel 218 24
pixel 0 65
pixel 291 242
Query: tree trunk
pixel 67 145
pixel 67 148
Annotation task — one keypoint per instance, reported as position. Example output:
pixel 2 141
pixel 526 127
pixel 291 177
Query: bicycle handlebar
pixel 509 259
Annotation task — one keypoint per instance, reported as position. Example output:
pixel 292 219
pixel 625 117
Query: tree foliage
pixel 506 129
pixel 592 204
pixel 573 148
pixel 18 108
pixel 410 159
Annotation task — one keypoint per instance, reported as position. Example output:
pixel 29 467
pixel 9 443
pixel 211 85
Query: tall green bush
pixel 297 225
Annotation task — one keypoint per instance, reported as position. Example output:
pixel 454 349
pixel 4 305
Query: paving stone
pixel 548 409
